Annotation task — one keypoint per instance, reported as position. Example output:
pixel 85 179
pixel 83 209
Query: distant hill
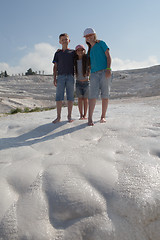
pixel 39 91
pixel 143 82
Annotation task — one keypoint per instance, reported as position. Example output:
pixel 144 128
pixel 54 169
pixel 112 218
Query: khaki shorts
pixel 99 85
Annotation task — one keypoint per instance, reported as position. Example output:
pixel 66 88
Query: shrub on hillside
pixel 30 72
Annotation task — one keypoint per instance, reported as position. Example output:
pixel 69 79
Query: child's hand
pixel 108 73
pixel 55 82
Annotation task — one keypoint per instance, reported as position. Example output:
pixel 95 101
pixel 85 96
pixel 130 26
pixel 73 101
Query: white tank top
pixel 80 72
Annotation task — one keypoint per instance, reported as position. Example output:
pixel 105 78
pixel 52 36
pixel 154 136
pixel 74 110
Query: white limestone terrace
pixel 26 91
pixel 39 91
pixel 69 181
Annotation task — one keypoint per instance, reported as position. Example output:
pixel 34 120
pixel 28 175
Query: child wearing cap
pixel 81 64
pixel 100 79
pixel 64 76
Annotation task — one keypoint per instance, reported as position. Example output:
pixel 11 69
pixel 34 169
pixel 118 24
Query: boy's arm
pixel 108 56
pixel 55 74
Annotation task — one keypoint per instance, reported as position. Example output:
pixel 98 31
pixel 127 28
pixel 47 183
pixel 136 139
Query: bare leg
pixel 70 106
pixel 59 108
pixel 85 107
pixel 92 103
pixel 104 110
pixel 80 106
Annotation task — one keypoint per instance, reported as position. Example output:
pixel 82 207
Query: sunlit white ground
pixel 69 181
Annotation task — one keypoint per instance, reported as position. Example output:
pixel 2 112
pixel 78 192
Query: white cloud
pixel 119 64
pixel 22 48
pixel 40 59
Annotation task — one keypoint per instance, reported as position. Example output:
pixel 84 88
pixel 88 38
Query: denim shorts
pixel 65 82
pixel 82 89
pixel 99 84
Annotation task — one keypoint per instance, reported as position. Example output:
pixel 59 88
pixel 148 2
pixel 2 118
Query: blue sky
pixel 30 30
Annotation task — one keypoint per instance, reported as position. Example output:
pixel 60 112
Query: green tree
pixel 30 72
pixel 5 74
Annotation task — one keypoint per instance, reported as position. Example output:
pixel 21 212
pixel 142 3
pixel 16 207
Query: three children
pixel 67 61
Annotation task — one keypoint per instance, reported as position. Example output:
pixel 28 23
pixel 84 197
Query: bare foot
pixel 90 122
pixel 56 120
pixel 84 118
pixel 81 118
pixel 103 120
pixel 70 119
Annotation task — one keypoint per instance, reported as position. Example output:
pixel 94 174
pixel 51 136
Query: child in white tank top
pixel 82 70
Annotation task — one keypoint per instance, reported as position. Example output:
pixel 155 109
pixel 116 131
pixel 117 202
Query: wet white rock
pixel 70 181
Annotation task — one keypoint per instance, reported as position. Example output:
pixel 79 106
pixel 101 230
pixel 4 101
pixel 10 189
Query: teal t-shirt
pixel 97 57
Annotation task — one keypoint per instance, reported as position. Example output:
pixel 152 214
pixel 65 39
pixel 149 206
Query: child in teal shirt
pixel 100 79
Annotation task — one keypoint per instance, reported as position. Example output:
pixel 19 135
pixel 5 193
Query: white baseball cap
pixel 89 31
